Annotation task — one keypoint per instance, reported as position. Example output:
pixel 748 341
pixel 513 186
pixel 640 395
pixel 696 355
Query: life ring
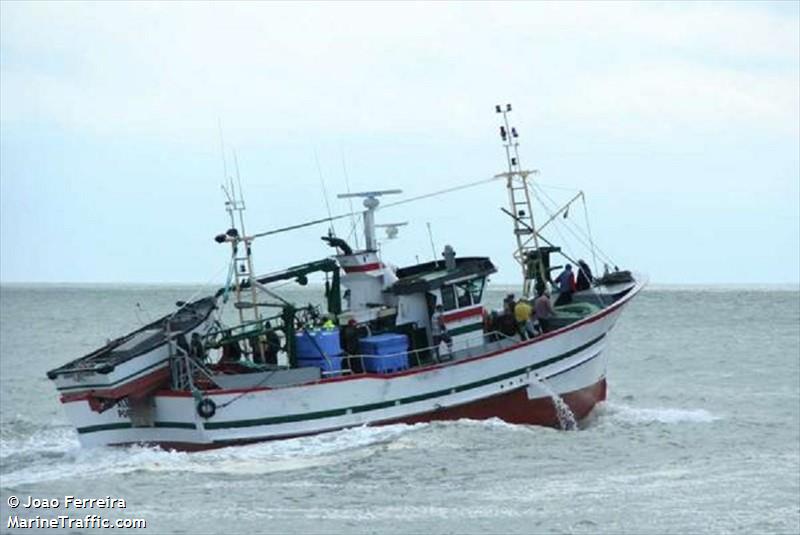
pixel 207 408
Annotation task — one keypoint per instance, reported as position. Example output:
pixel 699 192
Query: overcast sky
pixel 680 121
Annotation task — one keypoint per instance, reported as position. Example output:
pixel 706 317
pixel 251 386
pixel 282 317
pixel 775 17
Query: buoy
pixel 207 408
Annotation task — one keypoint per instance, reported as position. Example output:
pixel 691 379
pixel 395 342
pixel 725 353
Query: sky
pixel 679 121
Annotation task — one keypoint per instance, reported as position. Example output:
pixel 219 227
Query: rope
pixel 441 192
pixel 203 288
pixel 590 246
pixel 241 395
pixel 229 280
pixel 330 219
pixel 569 224
pixel 325 193
pixel 589 230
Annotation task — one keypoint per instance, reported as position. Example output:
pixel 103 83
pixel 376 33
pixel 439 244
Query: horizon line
pixel 795 285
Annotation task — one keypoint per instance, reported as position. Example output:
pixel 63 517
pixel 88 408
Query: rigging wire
pixel 222 150
pixel 556 227
pixel 570 224
pixel 440 192
pixel 558 230
pixel 203 288
pixel 589 231
pixel 325 194
pixel 430 237
pixel 390 205
pixel 354 220
pixel 564 188
pixel 300 225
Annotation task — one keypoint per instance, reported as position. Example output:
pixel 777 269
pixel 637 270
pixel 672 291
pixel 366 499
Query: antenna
pixel 222 150
pixel 241 193
pixel 371 202
pixel 509 136
pixel 227 188
pixel 324 193
pixel 349 199
pixel 391 229
pixel 430 237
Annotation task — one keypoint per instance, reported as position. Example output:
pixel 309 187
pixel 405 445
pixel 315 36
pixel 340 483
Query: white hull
pixel 571 361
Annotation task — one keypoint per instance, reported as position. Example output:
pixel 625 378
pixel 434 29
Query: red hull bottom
pixel 513 407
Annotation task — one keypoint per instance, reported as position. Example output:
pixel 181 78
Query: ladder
pixel 519 200
pixel 242 260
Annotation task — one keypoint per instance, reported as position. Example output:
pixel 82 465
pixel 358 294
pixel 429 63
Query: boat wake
pixel 628 414
pixel 34 455
pixel 55 454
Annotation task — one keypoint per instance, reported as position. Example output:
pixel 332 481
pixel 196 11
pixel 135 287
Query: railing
pixel 183 367
pixel 416 356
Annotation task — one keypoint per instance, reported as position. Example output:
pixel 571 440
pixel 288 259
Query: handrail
pixel 417 352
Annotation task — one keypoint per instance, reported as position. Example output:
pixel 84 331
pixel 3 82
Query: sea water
pixel 700 434
pixel 566 418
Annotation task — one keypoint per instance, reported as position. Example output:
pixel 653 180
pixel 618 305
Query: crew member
pixel 566 286
pixel 522 313
pixel 349 339
pixel 273 345
pixel 439 331
pixel 196 349
pixel 543 309
pixel 584 280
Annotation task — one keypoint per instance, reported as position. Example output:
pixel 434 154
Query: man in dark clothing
pixel 585 278
pixel 566 286
pixel 349 340
pixel 273 346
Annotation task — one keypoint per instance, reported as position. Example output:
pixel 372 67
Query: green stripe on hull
pixel 357 409
pixel 402 401
pixel 466 329
pixel 104 427
pixel 128 425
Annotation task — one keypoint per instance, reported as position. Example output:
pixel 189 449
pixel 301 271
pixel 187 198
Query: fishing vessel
pixel 408 344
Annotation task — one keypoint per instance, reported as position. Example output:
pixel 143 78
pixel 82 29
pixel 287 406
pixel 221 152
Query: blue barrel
pixel 309 344
pixel 390 350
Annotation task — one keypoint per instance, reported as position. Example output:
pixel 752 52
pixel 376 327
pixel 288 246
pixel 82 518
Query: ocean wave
pixel 664 415
pixel 58 456
pixel 21 438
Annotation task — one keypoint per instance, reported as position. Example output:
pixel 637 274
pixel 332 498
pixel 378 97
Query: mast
pixel 371 202
pixel 519 199
pixel 242 259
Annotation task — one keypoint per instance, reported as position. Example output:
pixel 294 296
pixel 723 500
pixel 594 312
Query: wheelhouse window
pixel 475 288
pixel 448 298
pixel 462 294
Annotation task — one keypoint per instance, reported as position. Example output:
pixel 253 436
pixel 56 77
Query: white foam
pixel 49 441
pixel 292 454
pixel 413 512
pixel 664 415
